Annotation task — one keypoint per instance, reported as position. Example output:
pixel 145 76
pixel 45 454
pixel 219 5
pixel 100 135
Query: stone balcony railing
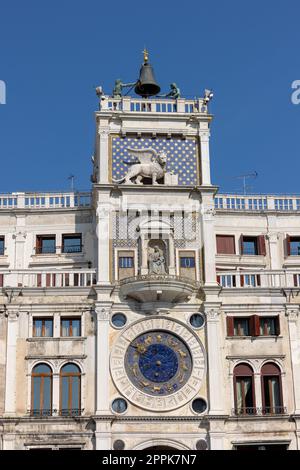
pixel 32 278
pixel 127 104
pixel 257 203
pixel 259 279
pixel 45 200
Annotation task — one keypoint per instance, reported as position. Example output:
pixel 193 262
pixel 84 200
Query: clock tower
pixel 157 295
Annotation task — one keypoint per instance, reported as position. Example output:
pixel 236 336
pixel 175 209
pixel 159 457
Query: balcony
pixel 257 203
pixel 164 288
pixel 45 413
pixel 153 105
pixel 45 200
pixel 247 412
pixel 259 279
pixel 32 278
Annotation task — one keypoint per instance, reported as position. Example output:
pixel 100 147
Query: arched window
pixel 41 390
pixel 244 395
pixel 271 389
pixel 70 384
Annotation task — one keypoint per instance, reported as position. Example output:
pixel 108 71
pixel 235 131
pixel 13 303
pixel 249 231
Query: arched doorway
pixel 161 444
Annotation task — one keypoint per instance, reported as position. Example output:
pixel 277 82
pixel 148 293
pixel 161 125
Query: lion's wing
pixel 144 155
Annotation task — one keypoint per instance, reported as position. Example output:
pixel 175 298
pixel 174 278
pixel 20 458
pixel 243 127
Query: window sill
pixel 55 338
pixel 253 338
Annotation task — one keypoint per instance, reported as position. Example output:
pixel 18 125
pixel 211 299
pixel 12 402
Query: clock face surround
pixel 178 377
pixel 158 363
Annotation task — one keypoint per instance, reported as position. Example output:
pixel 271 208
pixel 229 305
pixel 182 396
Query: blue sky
pixel 53 54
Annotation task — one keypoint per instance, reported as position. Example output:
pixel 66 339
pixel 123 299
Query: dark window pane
pixel 75 327
pixel 65 393
pixel 295 247
pixel 42 369
pixel 267 326
pixel 69 368
pixel 1 246
pixel 75 393
pixel 187 262
pixel 241 327
pixel 72 244
pixel 38 327
pixel 36 392
pixel 48 245
pixel 65 327
pixel 249 246
pixel 47 393
pixel 125 262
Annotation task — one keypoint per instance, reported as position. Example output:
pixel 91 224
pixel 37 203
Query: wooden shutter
pixel 242 244
pixel 277 326
pixel 295 280
pixel 225 244
pixel 254 325
pixel 39 280
pixel 38 248
pixel 1 280
pixel 288 245
pixel 230 326
pixel 261 242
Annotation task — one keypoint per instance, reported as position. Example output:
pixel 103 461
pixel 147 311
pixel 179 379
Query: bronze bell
pixel 146 85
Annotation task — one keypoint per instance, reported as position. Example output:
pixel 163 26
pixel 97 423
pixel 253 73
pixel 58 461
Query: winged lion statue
pixel 151 164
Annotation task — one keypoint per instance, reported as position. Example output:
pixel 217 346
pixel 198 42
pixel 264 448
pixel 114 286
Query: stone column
pixel 103 233
pixel 273 249
pixel 102 358
pixel 257 389
pixel 215 367
pixel 216 434
pixel 292 313
pixel 209 240
pixel 103 156
pixel 205 158
pixel 103 435
pixel 11 363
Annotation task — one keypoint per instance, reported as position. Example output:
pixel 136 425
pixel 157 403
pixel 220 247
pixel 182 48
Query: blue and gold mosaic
pixel 158 363
pixel 182 156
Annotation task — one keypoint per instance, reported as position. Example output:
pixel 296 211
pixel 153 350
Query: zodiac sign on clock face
pixel 158 362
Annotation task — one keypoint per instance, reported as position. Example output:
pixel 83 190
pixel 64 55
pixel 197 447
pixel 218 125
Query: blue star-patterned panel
pixel 182 156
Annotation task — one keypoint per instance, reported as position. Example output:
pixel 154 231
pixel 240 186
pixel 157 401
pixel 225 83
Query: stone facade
pixel 99 350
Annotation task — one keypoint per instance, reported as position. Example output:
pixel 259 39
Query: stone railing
pixel 257 203
pixel 259 279
pixel 32 278
pixel 159 278
pixel 45 200
pixel 153 105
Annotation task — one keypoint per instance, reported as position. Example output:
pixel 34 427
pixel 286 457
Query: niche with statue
pixel 157 257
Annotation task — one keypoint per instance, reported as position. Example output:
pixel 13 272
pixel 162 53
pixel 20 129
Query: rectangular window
pixel 253 245
pixel 241 327
pixel 43 327
pixel 70 327
pixel 45 244
pixel 272 395
pixel 294 246
pixel 2 242
pixel 225 244
pixel 249 246
pixel 187 264
pixel 125 264
pixel 72 243
pixel 253 326
pixel 269 326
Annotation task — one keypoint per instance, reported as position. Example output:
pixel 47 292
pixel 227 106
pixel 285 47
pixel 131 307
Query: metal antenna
pixel 245 177
pixel 71 178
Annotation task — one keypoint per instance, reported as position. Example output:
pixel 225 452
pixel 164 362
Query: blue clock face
pixel 158 362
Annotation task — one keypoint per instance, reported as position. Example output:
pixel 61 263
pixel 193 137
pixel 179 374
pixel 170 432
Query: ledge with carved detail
pixel 265 411
pixel 162 288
